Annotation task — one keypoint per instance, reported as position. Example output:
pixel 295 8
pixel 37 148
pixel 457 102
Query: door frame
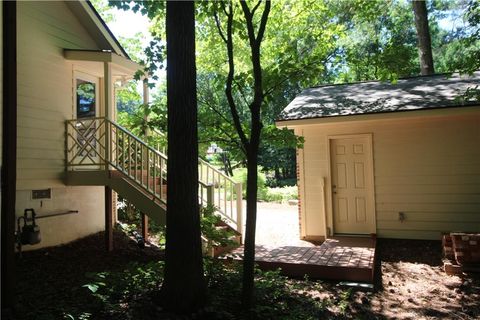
pixel 99 109
pixel 371 178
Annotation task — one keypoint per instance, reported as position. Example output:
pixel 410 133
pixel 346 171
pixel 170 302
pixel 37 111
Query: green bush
pixel 275 183
pixel 208 224
pixel 240 175
pixel 281 194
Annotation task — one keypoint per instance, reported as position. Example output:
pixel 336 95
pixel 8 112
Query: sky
pixel 128 23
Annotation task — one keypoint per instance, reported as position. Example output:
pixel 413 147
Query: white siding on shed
pixel 428 168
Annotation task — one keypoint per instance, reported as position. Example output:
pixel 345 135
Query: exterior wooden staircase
pixel 99 152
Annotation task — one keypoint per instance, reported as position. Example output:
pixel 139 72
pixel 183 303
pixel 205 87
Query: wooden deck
pixel 339 258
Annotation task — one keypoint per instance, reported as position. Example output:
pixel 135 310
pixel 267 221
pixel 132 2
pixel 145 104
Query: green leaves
pixel 93 287
pixel 208 224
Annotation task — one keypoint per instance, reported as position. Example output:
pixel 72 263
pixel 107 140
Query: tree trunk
pixel 423 34
pixel 249 247
pixel 229 167
pixel 277 173
pixel 9 157
pixel 183 289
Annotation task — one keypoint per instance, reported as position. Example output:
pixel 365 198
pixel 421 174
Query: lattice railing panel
pixel 101 144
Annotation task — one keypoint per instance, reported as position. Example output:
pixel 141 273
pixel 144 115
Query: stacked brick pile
pixel 447 245
pixel 462 251
pixel 466 248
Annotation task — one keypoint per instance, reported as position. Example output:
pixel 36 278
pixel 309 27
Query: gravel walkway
pixel 277 225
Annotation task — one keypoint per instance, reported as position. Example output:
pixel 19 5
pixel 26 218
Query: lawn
pixel 81 281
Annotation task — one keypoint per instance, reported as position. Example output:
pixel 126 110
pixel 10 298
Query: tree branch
pixel 242 92
pixel 231 71
pixel 256 7
pixel 219 27
pixel 255 42
pixel 297 71
pixel 209 105
pixel 263 22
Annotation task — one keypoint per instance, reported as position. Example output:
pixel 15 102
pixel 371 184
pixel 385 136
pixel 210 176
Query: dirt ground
pixel 410 281
pixel 412 284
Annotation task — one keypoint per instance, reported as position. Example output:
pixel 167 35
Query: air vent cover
pixel 42 194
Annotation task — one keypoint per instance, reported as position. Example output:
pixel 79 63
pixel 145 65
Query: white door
pixel 352 185
pixel 86 111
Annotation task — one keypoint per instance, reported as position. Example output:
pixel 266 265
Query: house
pixel 70 151
pixel 63 154
pixel 68 65
pixel 399 160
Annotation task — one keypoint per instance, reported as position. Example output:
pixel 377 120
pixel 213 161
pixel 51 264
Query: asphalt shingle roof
pixel 424 92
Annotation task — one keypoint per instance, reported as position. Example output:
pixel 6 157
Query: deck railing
pixel 101 144
pixel 215 187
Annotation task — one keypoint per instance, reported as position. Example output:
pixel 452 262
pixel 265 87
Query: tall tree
pixel 379 41
pixel 184 288
pixel 423 34
pixel 255 26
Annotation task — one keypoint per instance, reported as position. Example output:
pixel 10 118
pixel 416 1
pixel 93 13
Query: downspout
pixel 9 155
pixel 107 87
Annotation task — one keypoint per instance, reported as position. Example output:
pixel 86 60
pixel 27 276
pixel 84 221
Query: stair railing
pixel 89 147
pixel 223 192
pixel 215 187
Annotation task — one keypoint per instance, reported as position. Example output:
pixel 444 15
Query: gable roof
pixel 96 27
pixel 423 92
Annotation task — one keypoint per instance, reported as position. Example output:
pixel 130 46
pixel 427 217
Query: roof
pixel 98 29
pixel 418 93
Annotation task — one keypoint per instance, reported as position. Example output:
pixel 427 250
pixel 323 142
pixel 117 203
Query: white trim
pixel 324 209
pixel 328 193
pixel 127 65
pixel 437 112
pixel 92 22
pixel 302 194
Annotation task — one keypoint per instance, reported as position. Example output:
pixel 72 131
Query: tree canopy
pixel 307 43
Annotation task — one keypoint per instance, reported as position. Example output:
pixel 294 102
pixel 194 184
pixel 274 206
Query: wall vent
pixel 42 194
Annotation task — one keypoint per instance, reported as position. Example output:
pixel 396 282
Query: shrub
pixel 240 175
pixel 281 194
pixel 275 183
pixel 208 224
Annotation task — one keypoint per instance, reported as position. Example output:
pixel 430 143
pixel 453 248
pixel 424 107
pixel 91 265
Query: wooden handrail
pixel 101 144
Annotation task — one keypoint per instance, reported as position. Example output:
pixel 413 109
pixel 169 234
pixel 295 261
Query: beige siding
pixel 427 168
pixel 45 101
pixel 45 89
pixel 66 228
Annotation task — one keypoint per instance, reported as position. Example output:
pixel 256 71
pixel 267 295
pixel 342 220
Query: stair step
pixel 224 224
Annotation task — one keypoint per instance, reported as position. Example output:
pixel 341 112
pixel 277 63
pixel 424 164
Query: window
pixel 86 99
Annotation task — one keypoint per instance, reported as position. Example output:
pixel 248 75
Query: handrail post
pixel 238 193
pixel 210 195
pixel 66 146
pixel 107 144
pixel 108 106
